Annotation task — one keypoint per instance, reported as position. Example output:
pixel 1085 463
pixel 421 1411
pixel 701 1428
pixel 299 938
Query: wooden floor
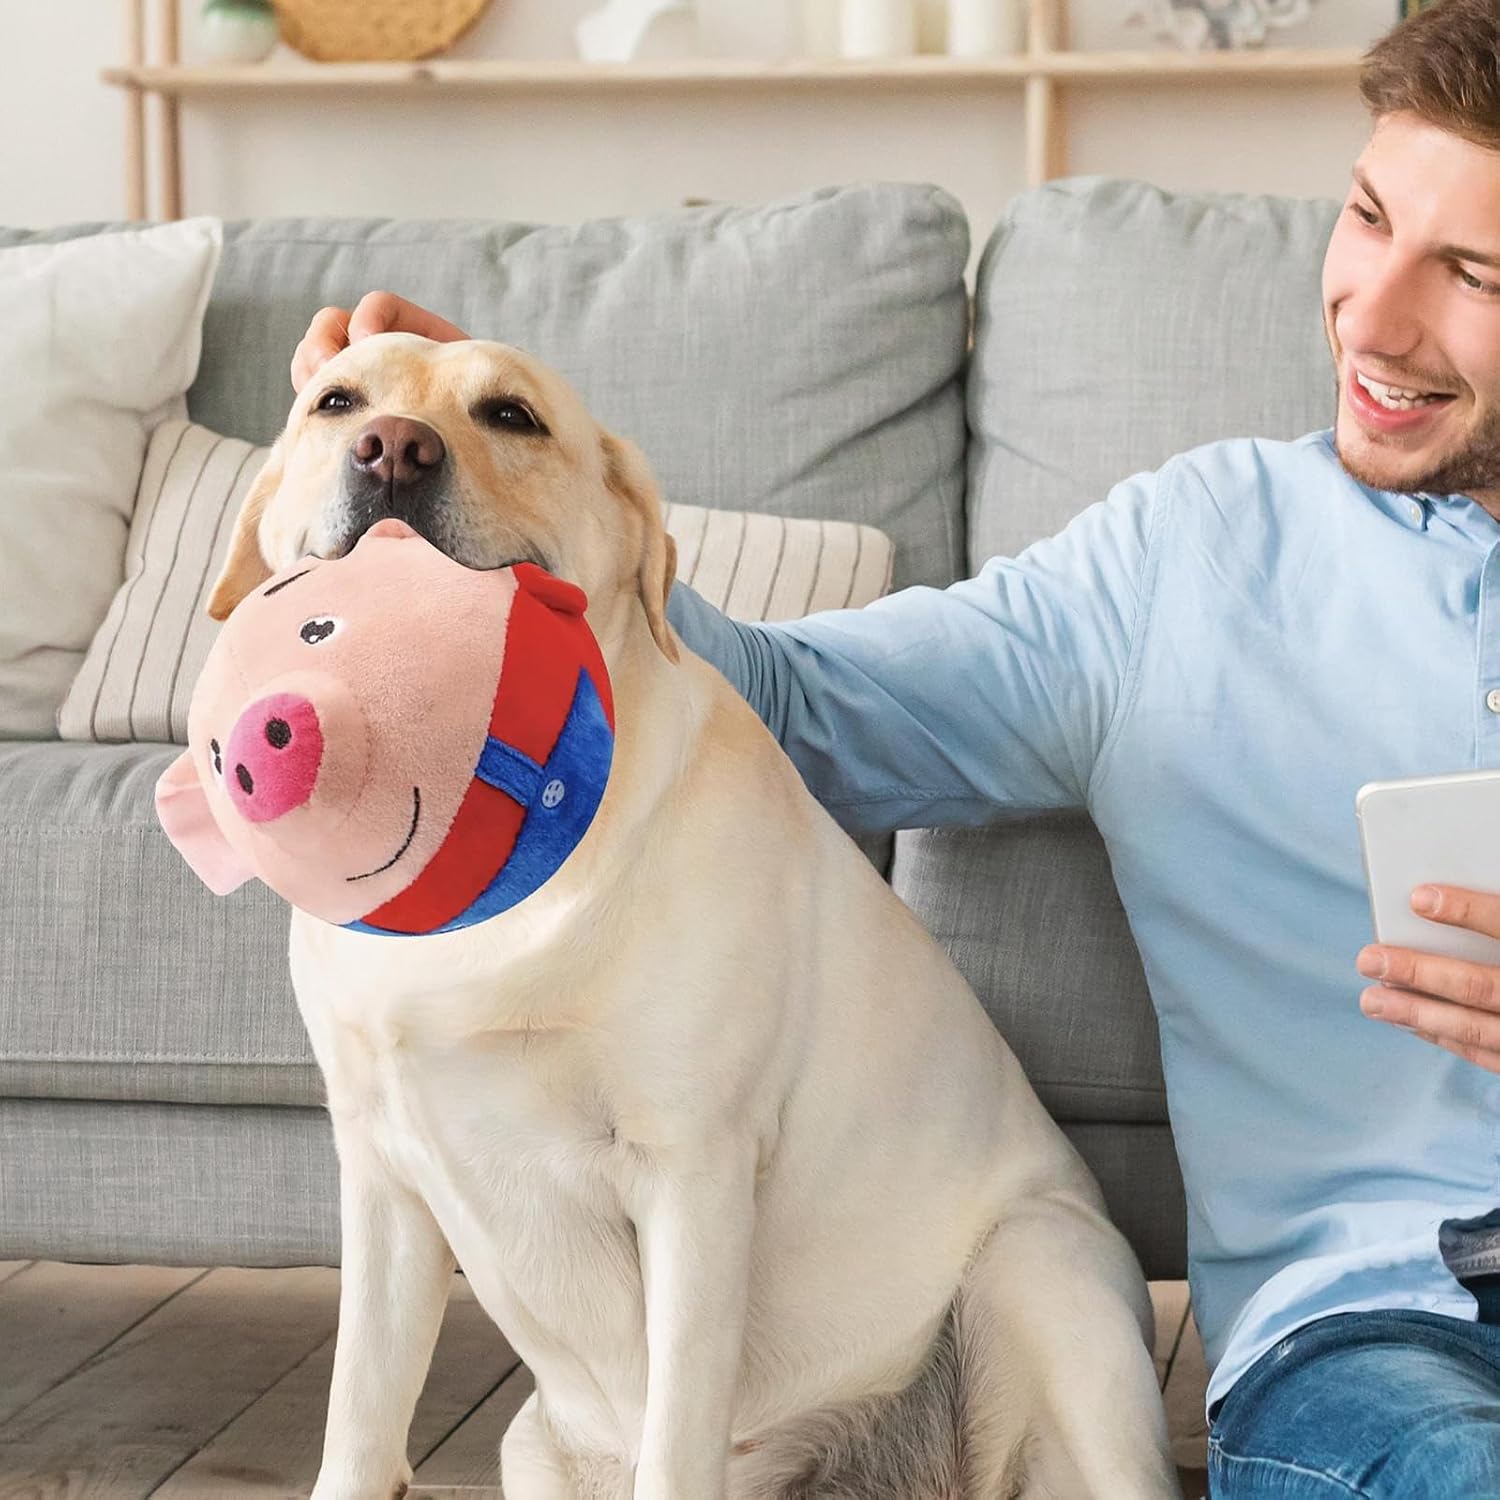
pixel 119 1382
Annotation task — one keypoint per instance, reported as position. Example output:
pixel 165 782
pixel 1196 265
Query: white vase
pixel 986 28
pixel 233 33
pixel 878 28
pixel 618 31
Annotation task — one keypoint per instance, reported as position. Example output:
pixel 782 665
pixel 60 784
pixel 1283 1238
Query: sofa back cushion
pixel 1117 325
pixel 802 359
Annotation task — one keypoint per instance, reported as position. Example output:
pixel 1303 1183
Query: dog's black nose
pixel 396 450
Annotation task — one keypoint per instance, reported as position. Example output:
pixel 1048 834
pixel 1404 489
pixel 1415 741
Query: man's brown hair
pixel 1442 65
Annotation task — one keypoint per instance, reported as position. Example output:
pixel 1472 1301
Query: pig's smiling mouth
pixel 411 833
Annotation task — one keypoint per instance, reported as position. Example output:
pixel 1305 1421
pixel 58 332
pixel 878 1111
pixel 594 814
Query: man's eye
pixel 336 399
pixel 319 629
pixel 1364 215
pixel 1489 288
pixel 509 415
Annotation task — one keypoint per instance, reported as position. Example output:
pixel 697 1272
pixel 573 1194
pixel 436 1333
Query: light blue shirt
pixel 1211 662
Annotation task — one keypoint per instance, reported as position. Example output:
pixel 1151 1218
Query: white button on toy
pixel 554 791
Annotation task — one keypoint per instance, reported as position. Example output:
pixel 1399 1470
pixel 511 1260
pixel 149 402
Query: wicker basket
pixel 374 30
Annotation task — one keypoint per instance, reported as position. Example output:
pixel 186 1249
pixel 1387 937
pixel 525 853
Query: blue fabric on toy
pixel 560 798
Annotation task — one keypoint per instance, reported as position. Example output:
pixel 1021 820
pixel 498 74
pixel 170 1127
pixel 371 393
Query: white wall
pixel 572 155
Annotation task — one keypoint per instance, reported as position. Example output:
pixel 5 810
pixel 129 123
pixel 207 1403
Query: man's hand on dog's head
pixel 335 328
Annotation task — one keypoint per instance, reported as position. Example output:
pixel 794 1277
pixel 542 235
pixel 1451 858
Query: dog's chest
pixel 511 1144
pixel 509 1112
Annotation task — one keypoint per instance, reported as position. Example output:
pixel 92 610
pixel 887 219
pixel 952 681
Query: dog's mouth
pixel 468 552
pixel 411 833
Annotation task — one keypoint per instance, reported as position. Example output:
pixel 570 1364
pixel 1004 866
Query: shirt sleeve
pixel 957 705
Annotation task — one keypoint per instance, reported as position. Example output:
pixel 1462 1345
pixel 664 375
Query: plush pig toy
pixel 393 742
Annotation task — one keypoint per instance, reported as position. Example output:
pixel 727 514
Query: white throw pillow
pixel 138 677
pixel 101 336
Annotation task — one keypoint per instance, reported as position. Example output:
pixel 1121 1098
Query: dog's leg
pixel 531 1465
pixel 534 1467
pixel 396 1272
pixel 1059 1390
pixel 694 1223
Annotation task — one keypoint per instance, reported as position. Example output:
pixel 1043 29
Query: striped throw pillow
pixel 138 675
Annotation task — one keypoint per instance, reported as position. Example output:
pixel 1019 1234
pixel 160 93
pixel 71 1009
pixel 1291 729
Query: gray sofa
pixel 158 1100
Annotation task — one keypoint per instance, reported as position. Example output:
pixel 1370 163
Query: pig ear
pixel 182 807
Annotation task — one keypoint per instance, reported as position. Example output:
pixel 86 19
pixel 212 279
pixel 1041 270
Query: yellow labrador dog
pixel 722 1140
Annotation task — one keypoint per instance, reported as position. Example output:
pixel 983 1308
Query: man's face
pixel 1411 299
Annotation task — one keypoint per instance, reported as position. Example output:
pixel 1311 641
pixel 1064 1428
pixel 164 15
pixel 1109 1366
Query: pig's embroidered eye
pixel 319 629
pixel 218 757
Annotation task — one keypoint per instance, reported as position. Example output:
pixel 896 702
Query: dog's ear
pixel 629 476
pixel 244 568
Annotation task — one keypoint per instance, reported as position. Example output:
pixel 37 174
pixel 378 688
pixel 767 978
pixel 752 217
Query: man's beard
pixel 1475 466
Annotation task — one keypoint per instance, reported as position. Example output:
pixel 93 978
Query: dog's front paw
pixel 347 1484
pixel 655 1482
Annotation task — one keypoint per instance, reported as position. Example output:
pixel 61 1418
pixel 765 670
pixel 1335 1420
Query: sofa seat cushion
pixel 123 976
pixel 231 1185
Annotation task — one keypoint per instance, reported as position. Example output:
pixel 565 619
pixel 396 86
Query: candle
pixel 820 28
pixel 982 28
pixel 878 28
pixel 932 25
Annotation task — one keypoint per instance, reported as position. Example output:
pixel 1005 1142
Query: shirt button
pixel 1492 700
pixel 1414 510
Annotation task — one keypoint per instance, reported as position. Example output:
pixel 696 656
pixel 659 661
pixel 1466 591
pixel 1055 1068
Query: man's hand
pixel 1446 1001
pixel 334 328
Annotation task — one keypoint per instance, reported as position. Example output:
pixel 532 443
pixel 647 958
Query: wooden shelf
pixel 1295 65
pixel 1045 73
pixel 1074 67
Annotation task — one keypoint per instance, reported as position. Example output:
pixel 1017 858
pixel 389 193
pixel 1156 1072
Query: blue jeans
pixel 1365 1406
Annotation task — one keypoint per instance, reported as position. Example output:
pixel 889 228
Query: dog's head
pixel 483 450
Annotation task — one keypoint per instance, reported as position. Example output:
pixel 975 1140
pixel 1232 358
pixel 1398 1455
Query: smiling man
pixel 1411 281
pixel 1212 661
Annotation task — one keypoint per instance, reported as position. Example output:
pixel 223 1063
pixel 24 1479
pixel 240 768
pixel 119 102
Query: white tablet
pixel 1443 830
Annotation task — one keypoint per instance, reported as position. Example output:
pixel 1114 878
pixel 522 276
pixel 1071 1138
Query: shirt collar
pixel 1419 511
pixel 1456 512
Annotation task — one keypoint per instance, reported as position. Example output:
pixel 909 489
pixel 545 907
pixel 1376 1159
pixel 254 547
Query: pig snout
pixel 272 758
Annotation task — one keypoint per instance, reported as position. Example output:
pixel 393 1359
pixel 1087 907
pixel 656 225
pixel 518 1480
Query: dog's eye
pixel 319 629
pixel 336 398
pixel 507 413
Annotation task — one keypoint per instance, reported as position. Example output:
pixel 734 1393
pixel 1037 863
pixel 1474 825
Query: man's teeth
pixel 1393 398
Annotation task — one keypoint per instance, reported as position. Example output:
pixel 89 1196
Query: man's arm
pixel 952 706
